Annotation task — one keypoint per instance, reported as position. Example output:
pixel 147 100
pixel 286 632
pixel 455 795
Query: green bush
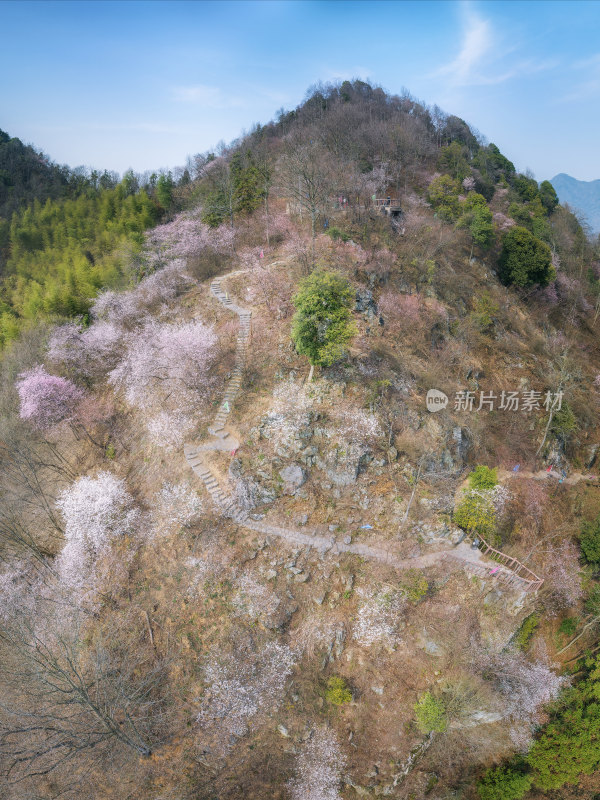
pixel 483 477
pixel 337 691
pixel 590 541
pixel 443 195
pixel 592 601
pixel 564 422
pixel 415 585
pixel 569 745
pixel 476 513
pixel 526 630
pixel 524 260
pixel 568 626
pixel 337 233
pixel 430 714
pixel 322 326
pixel 504 783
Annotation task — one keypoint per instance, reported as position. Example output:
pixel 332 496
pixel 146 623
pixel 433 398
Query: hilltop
pixel 241 555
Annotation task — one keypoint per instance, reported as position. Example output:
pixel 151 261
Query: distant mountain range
pixel 583 196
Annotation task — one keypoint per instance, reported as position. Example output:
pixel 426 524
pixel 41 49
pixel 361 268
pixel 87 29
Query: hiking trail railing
pixel 520 573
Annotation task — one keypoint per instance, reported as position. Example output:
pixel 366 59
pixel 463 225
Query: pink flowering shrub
pixel 176 506
pixel 18 589
pixel 378 618
pixel 562 575
pixel 319 765
pixel 407 308
pixel 254 600
pixel 46 399
pixel 503 223
pixel 524 686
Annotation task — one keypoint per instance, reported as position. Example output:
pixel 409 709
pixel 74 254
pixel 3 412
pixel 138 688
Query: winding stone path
pixel 471 559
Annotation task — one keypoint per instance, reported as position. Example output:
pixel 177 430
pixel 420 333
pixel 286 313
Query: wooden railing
pixel 391 202
pixel 520 573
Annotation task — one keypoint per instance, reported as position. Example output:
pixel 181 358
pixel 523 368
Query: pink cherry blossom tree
pixel 165 373
pixel 45 399
pixel 318 768
pixel 97 512
pixel 186 237
pixel 89 352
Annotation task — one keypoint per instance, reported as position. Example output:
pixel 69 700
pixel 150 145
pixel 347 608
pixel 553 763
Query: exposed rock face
pixel 248 492
pixel 293 478
pixel 343 466
pixel 365 302
pixel 311 444
pixel 591 455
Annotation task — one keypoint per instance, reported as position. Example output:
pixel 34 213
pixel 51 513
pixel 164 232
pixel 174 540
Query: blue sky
pixel 144 84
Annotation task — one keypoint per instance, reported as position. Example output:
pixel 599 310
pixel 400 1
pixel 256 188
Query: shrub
pixel 483 477
pixel 336 233
pixel 337 691
pixel 503 783
pixel 416 586
pixel 592 601
pixel 568 626
pixel 443 195
pixel 46 399
pixel 590 541
pixel 430 714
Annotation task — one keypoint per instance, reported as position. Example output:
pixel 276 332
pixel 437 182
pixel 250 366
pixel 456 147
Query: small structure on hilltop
pixel 388 205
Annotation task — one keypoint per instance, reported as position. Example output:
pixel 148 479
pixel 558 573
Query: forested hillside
pixel 65 234
pixel 300 493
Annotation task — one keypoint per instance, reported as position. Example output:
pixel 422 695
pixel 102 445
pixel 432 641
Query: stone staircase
pixel 224 502
pixel 217 427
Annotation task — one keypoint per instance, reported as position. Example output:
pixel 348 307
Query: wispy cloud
pixel 588 86
pixel 477 42
pixel 202 95
pixel 483 61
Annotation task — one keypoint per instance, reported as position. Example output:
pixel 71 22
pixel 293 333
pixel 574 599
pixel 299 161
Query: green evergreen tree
pixel 590 541
pixel 504 783
pixel 322 326
pixel 524 260
pixel 164 190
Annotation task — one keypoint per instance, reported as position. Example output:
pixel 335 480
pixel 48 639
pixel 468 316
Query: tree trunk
pixel 310 373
